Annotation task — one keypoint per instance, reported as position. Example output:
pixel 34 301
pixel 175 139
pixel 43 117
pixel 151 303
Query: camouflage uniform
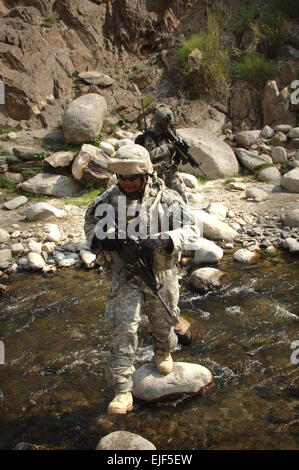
pixel 128 293
pixel 160 151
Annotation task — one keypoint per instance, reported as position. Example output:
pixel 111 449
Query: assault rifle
pixel 130 252
pixel 182 147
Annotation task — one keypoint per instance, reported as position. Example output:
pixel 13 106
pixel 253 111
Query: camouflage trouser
pixel 173 180
pixel 125 301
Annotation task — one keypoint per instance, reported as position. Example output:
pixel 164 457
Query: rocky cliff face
pixel 45 44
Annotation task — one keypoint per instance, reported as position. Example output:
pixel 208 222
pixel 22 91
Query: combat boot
pixel 163 362
pixel 183 332
pixel 121 403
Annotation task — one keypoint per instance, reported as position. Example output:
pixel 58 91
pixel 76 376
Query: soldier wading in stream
pixel 138 184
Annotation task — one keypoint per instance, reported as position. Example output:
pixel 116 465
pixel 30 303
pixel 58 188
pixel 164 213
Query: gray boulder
pixel 43 211
pixel 124 440
pixel 52 185
pixel 4 235
pixel 185 379
pixel 60 159
pixel 256 194
pixel 83 118
pixel 217 158
pixel 15 202
pixel 248 138
pixel 213 228
pixel 279 155
pixel 207 253
pixel 271 175
pixel 290 181
pixel 205 279
pixel 291 218
pixel 96 78
pixel 250 160
pixel 91 165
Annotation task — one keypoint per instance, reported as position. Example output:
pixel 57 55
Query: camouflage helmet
pixel 163 115
pixel 131 159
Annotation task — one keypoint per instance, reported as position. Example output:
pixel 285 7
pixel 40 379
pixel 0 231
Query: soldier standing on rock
pixel 138 183
pixel 162 152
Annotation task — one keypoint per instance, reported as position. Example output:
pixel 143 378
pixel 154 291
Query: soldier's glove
pixel 151 244
pixel 105 244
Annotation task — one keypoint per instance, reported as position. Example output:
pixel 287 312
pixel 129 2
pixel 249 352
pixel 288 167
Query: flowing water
pixel 52 389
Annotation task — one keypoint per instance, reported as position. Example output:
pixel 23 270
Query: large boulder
pixel 43 211
pixel 83 118
pixel 205 279
pixel 207 252
pixel 250 160
pixel 185 379
pixel 52 185
pixel 91 165
pixel 213 228
pixel 217 158
pixel 290 181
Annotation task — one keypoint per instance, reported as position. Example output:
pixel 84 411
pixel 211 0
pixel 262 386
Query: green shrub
pixel 247 16
pixel 271 32
pixel 147 100
pixel 50 19
pixel 211 74
pixel 98 139
pixel 195 42
pixel 288 7
pixel 255 70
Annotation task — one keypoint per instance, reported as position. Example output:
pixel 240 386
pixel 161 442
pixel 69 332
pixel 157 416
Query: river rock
pixel 195 200
pixel 270 174
pixel 294 133
pixel 17 248
pixel 212 227
pixel 267 132
pixel 279 155
pixel 124 440
pixel 48 247
pixel 53 233
pixel 52 185
pixel 67 262
pixel 185 379
pixel 36 261
pixel 5 255
pixel 256 194
pixel 88 258
pixel 290 181
pixel 292 245
pixel 250 160
pixel 35 247
pixel 295 143
pixel 43 211
pixel 245 256
pixel 285 128
pixel 217 209
pixel 91 166
pixel 60 159
pixel 4 235
pixel 217 158
pixel 205 279
pixel 108 148
pixel 291 218
pixel 15 202
pixel 190 180
pixel 83 119
pixel 248 138
pixel 207 252
pixel 279 138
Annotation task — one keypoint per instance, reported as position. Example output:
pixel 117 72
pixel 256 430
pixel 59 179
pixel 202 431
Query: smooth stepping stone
pixel 185 379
